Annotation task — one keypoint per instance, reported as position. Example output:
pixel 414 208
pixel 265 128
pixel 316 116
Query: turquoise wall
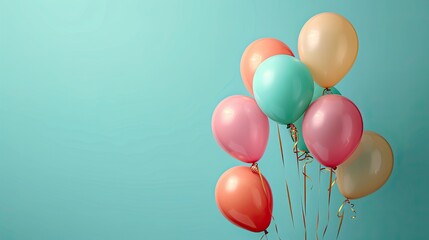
pixel 105 111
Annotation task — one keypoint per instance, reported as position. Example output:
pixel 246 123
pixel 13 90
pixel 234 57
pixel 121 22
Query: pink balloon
pixel 332 129
pixel 241 128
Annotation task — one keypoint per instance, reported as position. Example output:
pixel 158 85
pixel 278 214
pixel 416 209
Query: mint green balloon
pixel 318 92
pixel 283 88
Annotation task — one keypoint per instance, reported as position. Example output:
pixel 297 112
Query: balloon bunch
pixel 300 94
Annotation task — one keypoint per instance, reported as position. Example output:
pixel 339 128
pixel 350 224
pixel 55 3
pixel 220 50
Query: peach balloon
pixel 367 169
pixel 256 53
pixel 241 198
pixel 328 45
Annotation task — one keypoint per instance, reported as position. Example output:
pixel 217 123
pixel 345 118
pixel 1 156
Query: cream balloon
pixel 367 169
pixel 328 45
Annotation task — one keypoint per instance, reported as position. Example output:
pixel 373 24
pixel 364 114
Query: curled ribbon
pixel 294 136
pixel 301 156
pixel 340 213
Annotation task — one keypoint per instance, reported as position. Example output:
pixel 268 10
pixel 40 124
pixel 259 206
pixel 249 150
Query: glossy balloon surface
pixel 367 169
pixel 241 128
pixel 332 129
pixel 241 198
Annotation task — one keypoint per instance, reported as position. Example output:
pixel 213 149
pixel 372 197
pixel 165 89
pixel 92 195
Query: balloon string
pixel 317 225
pixel 275 227
pixel 318 205
pixel 331 184
pixel 264 235
pixel 304 210
pixel 309 159
pixel 301 156
pixel 304 172
pixel 290 204
pixel 284 175
pixel 304 222
pixel 294 136
pixel 255 169
pixel 281 145
pixel 340 213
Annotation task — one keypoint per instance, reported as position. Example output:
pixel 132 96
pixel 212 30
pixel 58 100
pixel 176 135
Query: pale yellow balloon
pixel 367 169
pixel 328 45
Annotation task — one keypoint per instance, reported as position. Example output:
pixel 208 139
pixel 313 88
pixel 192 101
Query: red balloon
pixel 242 199
pixel 256 53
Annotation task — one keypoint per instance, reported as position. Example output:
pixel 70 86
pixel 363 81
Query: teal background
pixel 105 112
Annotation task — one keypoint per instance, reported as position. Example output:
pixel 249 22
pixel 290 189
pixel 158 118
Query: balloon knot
pixel 254 168
pixel 327 91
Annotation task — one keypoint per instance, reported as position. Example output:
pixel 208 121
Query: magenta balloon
pixel 332 129
pixel 241 128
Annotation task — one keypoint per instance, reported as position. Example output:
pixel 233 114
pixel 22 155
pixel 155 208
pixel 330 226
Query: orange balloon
pixel 328 45
pixel 242 199
pixel 367 169
pixel 256 53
